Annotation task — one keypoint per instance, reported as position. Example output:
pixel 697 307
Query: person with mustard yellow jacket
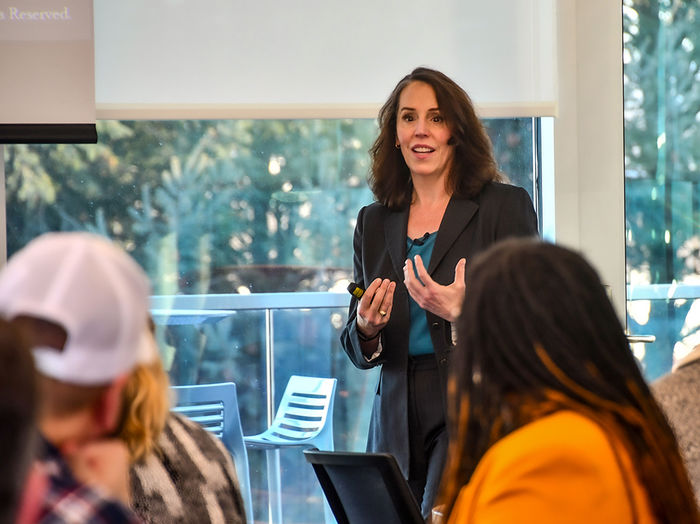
pixel 550 419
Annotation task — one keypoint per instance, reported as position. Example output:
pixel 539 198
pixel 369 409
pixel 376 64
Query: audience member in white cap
pixel 83 303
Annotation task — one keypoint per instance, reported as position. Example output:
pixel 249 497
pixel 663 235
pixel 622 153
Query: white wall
pixel 588 138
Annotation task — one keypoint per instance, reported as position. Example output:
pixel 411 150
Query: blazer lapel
pixel 457 215
pixel 395 228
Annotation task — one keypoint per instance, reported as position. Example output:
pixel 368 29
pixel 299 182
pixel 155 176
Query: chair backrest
pixel 215 407
pixel 306 412
pixel 364 488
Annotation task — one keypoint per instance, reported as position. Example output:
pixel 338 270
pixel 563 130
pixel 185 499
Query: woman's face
pixel 422 132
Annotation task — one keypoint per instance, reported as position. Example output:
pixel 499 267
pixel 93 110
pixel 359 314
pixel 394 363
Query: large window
pixel 662 138
pixel 229 218
pixel 213 206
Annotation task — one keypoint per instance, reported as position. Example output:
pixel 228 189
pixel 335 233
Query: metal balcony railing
pixel 196 309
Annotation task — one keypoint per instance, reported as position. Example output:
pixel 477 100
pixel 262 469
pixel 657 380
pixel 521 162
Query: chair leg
pixel 274 486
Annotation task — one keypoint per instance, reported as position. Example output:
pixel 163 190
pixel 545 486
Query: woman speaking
pixel 440 200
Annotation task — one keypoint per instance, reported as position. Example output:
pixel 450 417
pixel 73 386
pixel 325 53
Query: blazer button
pixel 436 325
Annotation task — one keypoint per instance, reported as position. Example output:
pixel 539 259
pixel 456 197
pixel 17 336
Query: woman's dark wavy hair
pixel 473 164
pixel 537 334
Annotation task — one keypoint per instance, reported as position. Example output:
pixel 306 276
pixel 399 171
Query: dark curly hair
pixel 538 334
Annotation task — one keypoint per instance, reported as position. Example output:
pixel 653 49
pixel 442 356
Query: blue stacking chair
pixel 215 407
pixel 304 419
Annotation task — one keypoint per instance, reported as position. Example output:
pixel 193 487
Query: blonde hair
pixel 146 408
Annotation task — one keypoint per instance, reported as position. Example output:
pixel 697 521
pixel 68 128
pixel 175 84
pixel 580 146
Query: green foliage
pixel 662 137
pixel 662 96
pixel 191 198
pixel 512 146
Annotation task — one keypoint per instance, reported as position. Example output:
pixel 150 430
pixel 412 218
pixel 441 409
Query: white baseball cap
pixel 95 291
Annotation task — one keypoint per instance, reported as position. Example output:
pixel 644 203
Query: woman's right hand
pixel 375 307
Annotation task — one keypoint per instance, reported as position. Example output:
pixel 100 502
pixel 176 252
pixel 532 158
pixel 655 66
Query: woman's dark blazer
pixel 468 227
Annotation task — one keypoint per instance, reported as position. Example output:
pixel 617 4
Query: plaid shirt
pixel 68 501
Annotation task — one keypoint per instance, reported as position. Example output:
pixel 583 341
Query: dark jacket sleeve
pixel 348 338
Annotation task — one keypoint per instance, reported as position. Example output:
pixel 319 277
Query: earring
pixel 397 145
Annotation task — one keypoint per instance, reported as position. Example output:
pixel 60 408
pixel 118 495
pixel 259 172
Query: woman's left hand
pixel 443 301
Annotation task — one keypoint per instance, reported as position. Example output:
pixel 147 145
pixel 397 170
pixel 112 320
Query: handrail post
pixel 274 466
pixel 270 365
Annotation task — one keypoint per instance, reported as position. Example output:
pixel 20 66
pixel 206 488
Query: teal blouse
pixel 419 342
